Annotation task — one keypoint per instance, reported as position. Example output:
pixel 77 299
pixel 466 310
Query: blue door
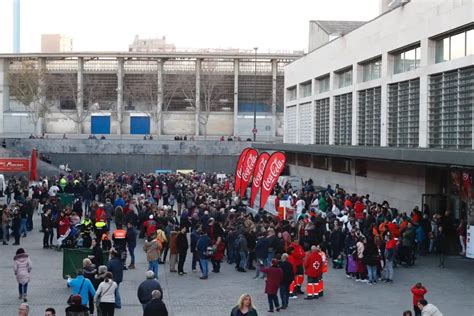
pixel 100 125
pixel 140 125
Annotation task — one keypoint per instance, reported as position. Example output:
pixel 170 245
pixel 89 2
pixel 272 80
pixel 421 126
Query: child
pixel 418 291
pixel 338 262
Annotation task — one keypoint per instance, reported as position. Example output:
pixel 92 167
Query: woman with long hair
pixel 244 307
pixel 22 267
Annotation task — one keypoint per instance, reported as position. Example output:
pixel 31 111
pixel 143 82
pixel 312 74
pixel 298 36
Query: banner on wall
pixel 14 165
pixel 238 170
pixel 258 175
pixel 247 170
pixel 273 169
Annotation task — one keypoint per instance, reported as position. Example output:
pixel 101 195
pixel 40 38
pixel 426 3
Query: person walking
pixel 16 222
pixel 81 286
pixel 5 224
pixel 147 287
pixel 288 277
pixel 272 284
pixel 115 266
pixel 76 308
pixel 47 227
pixel 89 273
pixel 22 268
pixel 105 295
pixel 182 245
pixel 131 238
pixel 389 254
pixel 156 307
pixel 244 307
pixel 418 291
pixel 203 245
pixel 153 247
pixel 441 245
pixel 173 250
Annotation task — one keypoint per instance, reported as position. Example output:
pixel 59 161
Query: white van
pixel 3 186
pixel 296 182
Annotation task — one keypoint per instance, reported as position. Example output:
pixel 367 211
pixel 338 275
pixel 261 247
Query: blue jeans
pixel 118 299
pixel 23 229
pixel 372 272
pixel 257 270
pixel 273 300
pixel 284 295
pixel 243 259
pixel 22 289
pixel 270 257
pixel 204 267
pixel 131 250
pixel 153 266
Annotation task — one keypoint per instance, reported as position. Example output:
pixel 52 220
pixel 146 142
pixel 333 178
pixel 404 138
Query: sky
pixel 111 25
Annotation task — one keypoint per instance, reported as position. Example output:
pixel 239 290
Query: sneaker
pixel 131 267
pixel 203 278
pixel 25 300
pixel 348 276
pixel 293 296
pixel 364 281
pixel 278 309
pixel 5 243
pixel 358 280
pixel 194 270
pixel 180 273
pixel 270 310
pixel 308 298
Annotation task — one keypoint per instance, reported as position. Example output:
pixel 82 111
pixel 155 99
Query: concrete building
pixel 388 108
pixel 150 45
pixel 201 94
pixel 55 43
pixel 321 32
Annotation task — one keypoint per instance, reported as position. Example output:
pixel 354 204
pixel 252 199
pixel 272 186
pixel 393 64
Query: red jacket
pixel 313 265
pixel 418 293
pixel 359 210
pixel 274 278
pixel 298 254
pixel 63 225
pixel 100 215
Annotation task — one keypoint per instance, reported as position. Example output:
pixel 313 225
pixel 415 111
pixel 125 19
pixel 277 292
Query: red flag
pixel 247 170
pixel 34 173
pixel 273 169
pixel 258 175
pixel 238 170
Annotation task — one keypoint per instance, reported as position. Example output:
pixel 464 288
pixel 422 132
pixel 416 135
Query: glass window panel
pixel 409 62
pixel 398 59
pixel 417 57
pixel 470 42
pixel 458 46
pixel 442 50
pixel 376 69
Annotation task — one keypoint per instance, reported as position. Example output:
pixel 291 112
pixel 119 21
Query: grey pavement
pixel 451 289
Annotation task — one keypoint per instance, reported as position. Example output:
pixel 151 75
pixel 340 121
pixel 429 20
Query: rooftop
pixel 338 27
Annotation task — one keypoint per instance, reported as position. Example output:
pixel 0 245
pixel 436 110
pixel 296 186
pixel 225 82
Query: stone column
pixel 427 48
pixel 198 96
pixel 387 65
pixel 80 94
pixel 236 97
pixel 274 96
pixel 160 95
pixel 41 123
pixel 119 94
pixel 357 71
pixel 4 90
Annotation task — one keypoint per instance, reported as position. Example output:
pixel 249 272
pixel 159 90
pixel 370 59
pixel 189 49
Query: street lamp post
pixel 255 99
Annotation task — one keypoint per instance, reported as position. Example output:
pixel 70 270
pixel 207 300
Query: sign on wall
pixel 14 165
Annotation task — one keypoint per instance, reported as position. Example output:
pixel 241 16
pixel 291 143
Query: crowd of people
pixel 109 212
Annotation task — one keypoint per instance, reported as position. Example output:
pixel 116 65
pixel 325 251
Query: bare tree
pixel 211 92
pixel 29 85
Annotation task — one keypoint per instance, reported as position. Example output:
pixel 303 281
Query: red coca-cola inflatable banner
pixel 258 175
pixel 273 169
pixel 238 170
pixel 247 170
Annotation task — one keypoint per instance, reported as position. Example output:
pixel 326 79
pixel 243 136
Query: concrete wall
pixel 402 185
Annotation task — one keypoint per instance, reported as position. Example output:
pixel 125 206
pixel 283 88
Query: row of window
pixel 341 165
pixel 448 47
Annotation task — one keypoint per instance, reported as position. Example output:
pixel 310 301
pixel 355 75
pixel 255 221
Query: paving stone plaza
pixel 450 289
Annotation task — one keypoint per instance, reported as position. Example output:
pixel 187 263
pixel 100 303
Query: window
pixel 291 93
pixel 403 113
pixel 407 60
pixel 361 168
pixel 369 117
pixel 304 120
pixel 304 160
pixel 320 162
pixel 290 124
pixel 454 46
pixel 323 84
pixel 451 98
pixel 343 119
pixel 344 78
pixel 321 122
pixel 305 89
pixel 342 165
pixel 372 69
pixel 290 158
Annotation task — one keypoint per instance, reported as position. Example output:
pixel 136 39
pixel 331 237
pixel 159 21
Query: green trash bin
pixel 72 259
pixel 66 199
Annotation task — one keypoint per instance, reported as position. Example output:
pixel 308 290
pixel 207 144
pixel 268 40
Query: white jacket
pixel 106 292
pixel 431 310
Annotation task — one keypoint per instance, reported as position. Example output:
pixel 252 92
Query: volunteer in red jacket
pixel 296 259
pixel 274 278
pixel 324 258
pixel 313 267
pixel 418 291
pixel 63 229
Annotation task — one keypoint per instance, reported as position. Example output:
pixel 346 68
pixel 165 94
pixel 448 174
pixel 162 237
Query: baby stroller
pixel 71 240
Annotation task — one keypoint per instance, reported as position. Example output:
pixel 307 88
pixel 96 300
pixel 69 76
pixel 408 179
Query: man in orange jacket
pixel 313 267
pixel 296 259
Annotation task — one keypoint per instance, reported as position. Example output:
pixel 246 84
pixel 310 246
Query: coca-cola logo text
pixel 251 160
pixel 258 177
pixel 275 169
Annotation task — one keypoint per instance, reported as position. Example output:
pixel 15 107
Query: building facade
pixel 201 94
pixel 388 108
pixel 56 43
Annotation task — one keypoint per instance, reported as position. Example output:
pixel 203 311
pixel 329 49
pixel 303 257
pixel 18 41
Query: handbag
pixel 69 300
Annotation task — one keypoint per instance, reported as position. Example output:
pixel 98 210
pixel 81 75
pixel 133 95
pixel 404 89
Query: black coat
pixel 155 308
pixel 288 274
pixel 182 243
